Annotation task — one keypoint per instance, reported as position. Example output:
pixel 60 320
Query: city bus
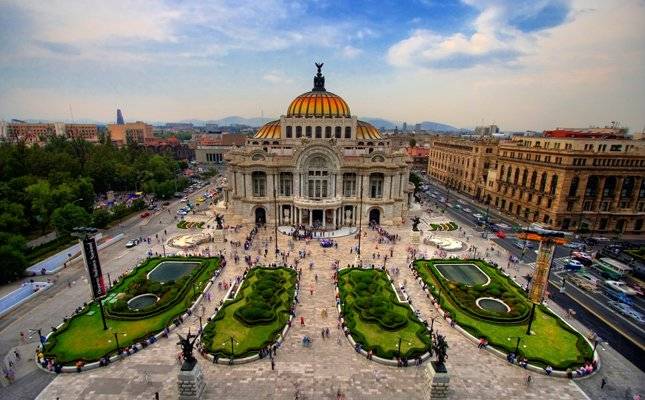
pixel 611 268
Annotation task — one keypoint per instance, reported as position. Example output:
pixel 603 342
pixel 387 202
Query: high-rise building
pixel 132 132
pixel 119 117
pixel 39 133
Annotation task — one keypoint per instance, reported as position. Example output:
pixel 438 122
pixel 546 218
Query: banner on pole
pixel 91 256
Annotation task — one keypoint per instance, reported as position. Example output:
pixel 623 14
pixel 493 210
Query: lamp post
pixel 116 339
pixel 233 340
pixel 517 344
pixel 432 325
pixel 275 210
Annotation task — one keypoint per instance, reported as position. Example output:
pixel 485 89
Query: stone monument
pixel 218 233
pixel 190 380
pixel 436 371
pixel 415 235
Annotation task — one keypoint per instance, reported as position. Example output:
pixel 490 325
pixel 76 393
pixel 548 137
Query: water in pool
pixel 142 301
pixel 171 270
pixel 492 305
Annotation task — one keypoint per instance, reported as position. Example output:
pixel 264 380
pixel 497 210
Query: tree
pixel 66 218
pixel 41 197
pixel 12 254
pixel 12 217
pixel 100 218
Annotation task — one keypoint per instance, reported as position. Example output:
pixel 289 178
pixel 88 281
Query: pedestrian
pixel 603 382
pixel 302 321
pixel 272 364
pixel 529 378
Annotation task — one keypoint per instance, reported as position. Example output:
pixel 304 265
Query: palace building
pixel 318 166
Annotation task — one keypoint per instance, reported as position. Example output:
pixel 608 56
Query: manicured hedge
pixel 499 287
pixel 448 226
pixel 375 317
pixel 255 317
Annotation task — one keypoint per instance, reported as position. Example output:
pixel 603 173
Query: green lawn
pixel 255 317
pixel 83 337
pixel 375 317
pixel 553 342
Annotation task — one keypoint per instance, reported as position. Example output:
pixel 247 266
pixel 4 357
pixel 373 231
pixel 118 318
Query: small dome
pixel 270 130
pixel 366 131
pixel 319 103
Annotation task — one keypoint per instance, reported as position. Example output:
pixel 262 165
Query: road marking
pixel 121 255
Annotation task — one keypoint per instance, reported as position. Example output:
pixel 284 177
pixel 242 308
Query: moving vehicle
pixel 184 199
pixel 467 210
pixel 132 243
pixel 611 268
pixel 573 265
pixel 145 214
pixel 575 245
pixel 621 287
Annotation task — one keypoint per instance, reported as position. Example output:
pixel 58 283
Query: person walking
pixel 302 321
pixel 272 364
pixel 529 378
pixel 603 382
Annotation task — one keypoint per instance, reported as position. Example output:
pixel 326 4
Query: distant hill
pixel 425 125
pixel 228 121
pixel 437 127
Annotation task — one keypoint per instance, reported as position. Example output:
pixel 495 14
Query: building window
pixel 259 180
pixel 286 182
pixel 289 132
pixel 308 131
pixel 615 147
pixel 349 185
pixel 543 182
pixel 328 132
pixel 586 206
pixel 573 187
pixel 376 185
pixel 603 224
pixel 533 179
pixel 554 185
pixel 610 186
pixel 318 132
pixel 338 131
pixel 638 225
pixel 298 131
pixel 348 132
pixel 569 205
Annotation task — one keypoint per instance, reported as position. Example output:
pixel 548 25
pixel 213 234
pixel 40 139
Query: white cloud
pixel 491 39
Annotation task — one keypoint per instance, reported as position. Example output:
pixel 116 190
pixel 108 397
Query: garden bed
pixel 190 225
pixel 376 318
pixel 255 318
pixel 553 342
pixel 447 226
pixel 83 337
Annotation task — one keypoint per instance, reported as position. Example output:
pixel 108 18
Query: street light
pixel 517 344
pixel 399 344
pixel 116 339
pixel 233 341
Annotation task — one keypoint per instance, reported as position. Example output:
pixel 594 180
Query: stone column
pixel 387 179
pixel 334 222
pixel 310 221
pixel 324 219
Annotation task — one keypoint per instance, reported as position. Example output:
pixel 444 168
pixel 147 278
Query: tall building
pixel 318 166
pixel 132 132
pixel 577 183
pixel 462 164
pixel 119 117
pixel 486 130
pixel 211 148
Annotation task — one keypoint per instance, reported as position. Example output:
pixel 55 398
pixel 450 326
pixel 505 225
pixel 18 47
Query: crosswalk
pixel 558 264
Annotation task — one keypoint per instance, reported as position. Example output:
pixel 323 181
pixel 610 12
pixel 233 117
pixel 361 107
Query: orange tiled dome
pixel 366 131
pixel 318 103
pixel 270 130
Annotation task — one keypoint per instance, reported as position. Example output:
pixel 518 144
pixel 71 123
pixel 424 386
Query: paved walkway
pixel 329 365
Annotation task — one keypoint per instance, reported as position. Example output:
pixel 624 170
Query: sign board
pixel 540 279
pixel 91 257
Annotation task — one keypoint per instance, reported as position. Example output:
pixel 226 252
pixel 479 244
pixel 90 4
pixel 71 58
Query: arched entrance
pixel 375 216
pixel 260 216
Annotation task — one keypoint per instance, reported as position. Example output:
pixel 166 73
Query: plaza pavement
pixel 328 365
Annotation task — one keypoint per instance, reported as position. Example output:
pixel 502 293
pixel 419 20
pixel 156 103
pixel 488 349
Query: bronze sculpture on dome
pixel 319 66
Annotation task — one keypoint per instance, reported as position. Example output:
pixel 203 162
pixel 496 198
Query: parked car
pixel 467 210
pixel 575 245
pixel 478 216
pixel 635 315
pixel 132 243
pixel 184 199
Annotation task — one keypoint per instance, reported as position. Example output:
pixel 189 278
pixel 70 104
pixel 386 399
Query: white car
pixel 573 263
pixel 478 216
pixel 131 243
pixel 184 200
pixel 467 210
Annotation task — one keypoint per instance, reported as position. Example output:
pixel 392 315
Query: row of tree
pixel 55 187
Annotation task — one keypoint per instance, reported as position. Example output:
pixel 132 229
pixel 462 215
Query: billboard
pixel 95 275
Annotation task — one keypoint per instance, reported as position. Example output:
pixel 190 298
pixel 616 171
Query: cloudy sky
pixel 522 64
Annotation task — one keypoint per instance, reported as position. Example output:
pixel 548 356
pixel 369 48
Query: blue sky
pixel 521 64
